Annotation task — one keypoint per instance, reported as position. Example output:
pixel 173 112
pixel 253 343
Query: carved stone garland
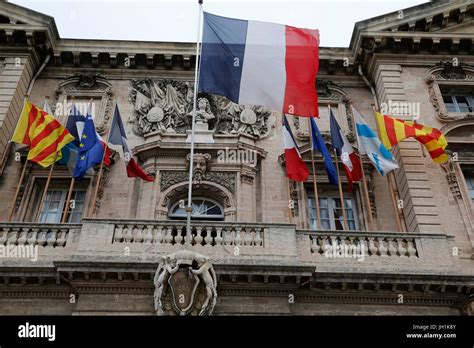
pixel 86 86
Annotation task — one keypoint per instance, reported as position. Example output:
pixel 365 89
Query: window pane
pixel 449 103
pixel 202 208
pixel 351 224
pixel 350 214
pixel 324 214
pixel 79 196
pixel 348 203
pixel 325 224
pixel 339 217
pixel 323 202
pixel 75 218
pixel 331 213
pixel 462 104
pixel 470 186
pixel 56 195
pixel 75 214
pixel 214 211
pixel 51 207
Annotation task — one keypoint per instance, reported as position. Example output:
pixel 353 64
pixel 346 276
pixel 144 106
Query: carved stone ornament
pixel 185 284
pixel 166 105
pixel 452 178
pixel 207 189
pixel 201 163
pixel 87 86
pixel 225 179
pixel 450 73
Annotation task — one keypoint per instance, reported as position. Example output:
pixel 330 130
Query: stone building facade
pixel 260 254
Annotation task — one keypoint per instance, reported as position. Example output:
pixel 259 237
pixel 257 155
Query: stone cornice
pixel 427 17
pixel 420 28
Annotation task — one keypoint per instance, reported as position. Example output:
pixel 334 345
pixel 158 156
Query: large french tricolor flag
pixel 259 63
pixel 296 169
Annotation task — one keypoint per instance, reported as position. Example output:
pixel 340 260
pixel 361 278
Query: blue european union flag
pixel 319 145
pixel 90 149
pixel 75 122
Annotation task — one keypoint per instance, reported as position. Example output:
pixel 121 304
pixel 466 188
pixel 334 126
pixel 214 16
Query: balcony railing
pixel 118 240
pixel 357 243
pixel 173 233
pixel 42 235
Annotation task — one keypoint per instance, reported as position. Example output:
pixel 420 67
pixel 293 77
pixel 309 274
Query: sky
pixel 176 20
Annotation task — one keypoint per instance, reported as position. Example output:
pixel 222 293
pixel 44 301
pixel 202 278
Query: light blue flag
pixel 370 145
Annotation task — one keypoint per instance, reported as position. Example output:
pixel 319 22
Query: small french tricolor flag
pixel 296 169
pixel 259 63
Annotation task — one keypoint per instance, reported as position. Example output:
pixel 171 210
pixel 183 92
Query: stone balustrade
pixel 131 241
pixel 42 235
pixel 202 234
pixel 370 244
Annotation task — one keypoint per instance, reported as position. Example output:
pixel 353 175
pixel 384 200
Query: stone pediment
pixel 20 27
pixel 422 24
pixel 21 15
pixel 16 17
pixel 424 17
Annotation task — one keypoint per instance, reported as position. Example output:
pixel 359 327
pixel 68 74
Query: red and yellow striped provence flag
pixel 393 130
pixel 44 135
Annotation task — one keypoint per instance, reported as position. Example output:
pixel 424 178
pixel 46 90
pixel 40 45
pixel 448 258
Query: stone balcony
pixel 114 257
pixel 229 243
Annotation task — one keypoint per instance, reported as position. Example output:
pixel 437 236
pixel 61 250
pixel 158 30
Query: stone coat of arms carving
pixel 185 284
pixel 166 105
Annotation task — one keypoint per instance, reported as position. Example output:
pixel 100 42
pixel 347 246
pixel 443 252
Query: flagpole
pixel 189 208
pixel 364 183
pixel 390 178
pixel 315 182
pixel 69 194
pixel 45 190
pixel 22 176
pixel 339 184
pixel 92 211
pixel 15 197
pixel 290 212
pixel 71 186
pixel 48 180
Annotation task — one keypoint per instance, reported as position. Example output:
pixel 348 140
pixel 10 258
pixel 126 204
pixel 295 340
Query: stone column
pixel 15 77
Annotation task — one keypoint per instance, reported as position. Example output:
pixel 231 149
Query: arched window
pixel 203 209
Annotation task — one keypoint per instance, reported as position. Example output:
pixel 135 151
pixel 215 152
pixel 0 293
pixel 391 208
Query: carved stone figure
pixel 209 278
pixel 166 106
pixel 203 111
pixel 200 165
pixel 185 284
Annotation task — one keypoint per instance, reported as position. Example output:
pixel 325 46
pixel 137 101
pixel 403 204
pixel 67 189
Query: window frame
pixel 214 217
pixel 467 171
pixel 454 96
pixel 331 206
pixel 62 202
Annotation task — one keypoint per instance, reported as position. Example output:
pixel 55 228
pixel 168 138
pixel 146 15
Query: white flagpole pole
pixel 189 208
